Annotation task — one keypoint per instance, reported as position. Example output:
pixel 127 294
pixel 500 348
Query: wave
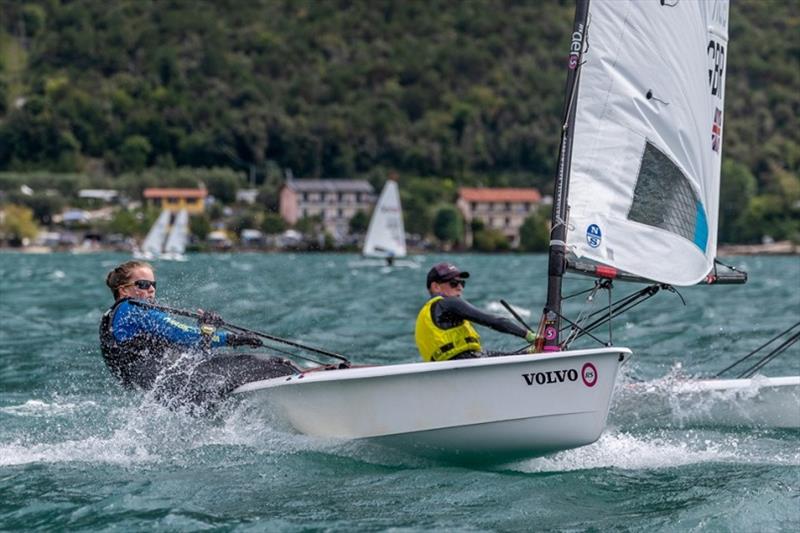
pixel 497 307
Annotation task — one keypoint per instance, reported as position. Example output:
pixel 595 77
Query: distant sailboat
pixel 153 243
pixel 178 236
pixel 164 241
pixel 386 237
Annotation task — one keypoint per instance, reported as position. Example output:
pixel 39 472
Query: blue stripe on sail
pixel 701 227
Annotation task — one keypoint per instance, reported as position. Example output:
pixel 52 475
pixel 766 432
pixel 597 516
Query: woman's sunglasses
pixel 142 284
pixel 456 282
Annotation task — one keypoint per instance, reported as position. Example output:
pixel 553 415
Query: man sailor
pixel 444 328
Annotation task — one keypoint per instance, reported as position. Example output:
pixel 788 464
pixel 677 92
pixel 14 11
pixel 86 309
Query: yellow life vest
pixel 437 344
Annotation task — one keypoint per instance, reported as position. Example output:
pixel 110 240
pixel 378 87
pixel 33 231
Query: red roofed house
pixel 502 209
pixel 193 200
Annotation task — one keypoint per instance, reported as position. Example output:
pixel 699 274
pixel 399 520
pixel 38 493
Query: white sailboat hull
pixel 761 402
pixel 523 405
pixel 758 402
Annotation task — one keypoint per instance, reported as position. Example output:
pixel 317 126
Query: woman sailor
pixel 145 348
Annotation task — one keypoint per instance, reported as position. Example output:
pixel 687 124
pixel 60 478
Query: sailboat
pixel 510 406
pixel 644 177
pixel 153 243
pixel 385 243
pixel 175 246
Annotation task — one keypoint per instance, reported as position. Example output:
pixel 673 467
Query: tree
pixel 17 223
pixel 124 222
pixel 273 224
pixel 200 226
pixel 448 225
pixel 134 152
pixel 736 190
pixel 534 234
pixel 359 223
pixel 490 240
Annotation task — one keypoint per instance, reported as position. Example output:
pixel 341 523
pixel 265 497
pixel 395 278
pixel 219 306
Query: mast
pixel 551 322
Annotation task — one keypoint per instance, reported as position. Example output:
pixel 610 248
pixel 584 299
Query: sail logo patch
pixel 716 130
pixel 589 375
pixel 593 235
pixel 575 47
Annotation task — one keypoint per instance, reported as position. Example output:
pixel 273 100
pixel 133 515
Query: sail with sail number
pixel 646 149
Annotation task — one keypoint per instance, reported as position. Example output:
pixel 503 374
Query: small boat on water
pixel 385 243
pixel 636 199
pixel 175 245
pixel 499 407
pixel 153 243
pixel 164 240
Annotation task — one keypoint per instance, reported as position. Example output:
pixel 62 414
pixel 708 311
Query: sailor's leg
pixel 218 376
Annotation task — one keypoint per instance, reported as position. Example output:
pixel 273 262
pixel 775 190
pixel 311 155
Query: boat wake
pixel 662 449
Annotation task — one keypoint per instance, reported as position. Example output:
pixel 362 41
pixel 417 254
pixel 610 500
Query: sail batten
pixel 646 153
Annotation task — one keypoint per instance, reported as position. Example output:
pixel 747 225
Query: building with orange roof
pixel 502 209
pixel 193 200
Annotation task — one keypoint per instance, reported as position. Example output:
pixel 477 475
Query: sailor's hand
pixel 244 339
pixel 531 336
pixel 210 318
pixel 531 348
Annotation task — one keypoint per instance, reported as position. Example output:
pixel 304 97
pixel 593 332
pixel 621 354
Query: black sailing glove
pixel 244 339
pixel 211 319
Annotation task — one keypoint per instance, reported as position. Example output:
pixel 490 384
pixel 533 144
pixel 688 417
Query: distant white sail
pixel 386 235
pixel 154 242
pixel 178 234
pixel 644 185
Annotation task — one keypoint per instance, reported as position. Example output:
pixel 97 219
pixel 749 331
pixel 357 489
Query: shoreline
pixel 776 248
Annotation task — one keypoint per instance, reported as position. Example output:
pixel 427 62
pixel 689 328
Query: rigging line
pixel 773 339
pixel 514 314
pixel 649 291
pixel 582 316
pixel 610 314
pixel 577 294
pixel 240 329
pixel 718 262
pixel 772 355
pixel 619 310
pixel 562 317
pixel 293 355
pixel 623 305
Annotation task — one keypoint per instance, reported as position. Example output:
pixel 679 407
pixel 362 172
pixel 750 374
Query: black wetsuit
pixel 450 312
pixel 177 364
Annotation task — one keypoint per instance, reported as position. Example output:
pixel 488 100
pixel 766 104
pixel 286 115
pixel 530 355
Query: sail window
pixel 664 198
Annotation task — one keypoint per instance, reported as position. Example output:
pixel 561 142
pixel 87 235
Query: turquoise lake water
pixel 79 453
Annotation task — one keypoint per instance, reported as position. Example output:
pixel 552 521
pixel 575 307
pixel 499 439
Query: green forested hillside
pixel 468 90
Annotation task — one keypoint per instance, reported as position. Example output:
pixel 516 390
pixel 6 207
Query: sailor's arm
pixel 461 308
pixel 130 320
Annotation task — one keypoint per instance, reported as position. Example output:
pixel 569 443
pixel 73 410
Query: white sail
pixel 154 242
pixel 178 234
pixel 644 185
pixel 386 235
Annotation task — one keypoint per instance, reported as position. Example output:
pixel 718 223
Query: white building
pixel 334 201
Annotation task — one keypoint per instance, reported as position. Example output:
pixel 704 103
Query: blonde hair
pixel 122 275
